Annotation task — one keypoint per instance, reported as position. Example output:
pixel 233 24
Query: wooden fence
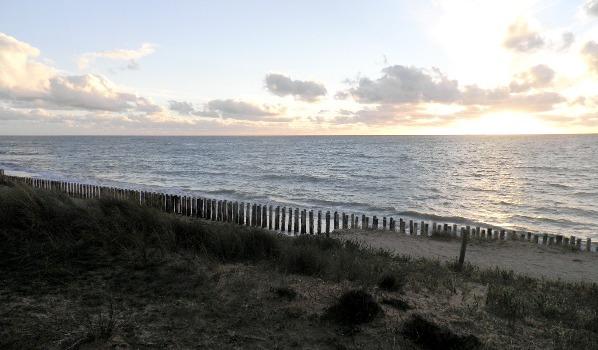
pixel 288 220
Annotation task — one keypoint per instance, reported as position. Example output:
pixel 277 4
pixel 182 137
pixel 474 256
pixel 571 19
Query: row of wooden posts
pixel 288 220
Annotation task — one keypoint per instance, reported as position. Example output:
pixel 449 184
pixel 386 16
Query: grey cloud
pixel 591 7
pixel 401 84
pixel 305 90
pixel 568 40
pixel 181 107
pixel 404 115
pixel 590 53
pixel 230 109
pixel 241 110
pixel 521 38
pixel 539 102
pixel 538 76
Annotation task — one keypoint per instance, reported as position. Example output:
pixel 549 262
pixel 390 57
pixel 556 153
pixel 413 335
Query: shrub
pixel 433 337
pixel 392 283
pixel 353 308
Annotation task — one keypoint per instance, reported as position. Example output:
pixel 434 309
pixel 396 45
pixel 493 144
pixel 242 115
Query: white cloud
pixel 282 85
pixel 27 82
pixel 119 55
pixel 21 74
pixel 522 38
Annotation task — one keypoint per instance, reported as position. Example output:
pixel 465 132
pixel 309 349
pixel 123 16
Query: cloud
pixel 241 110
pixel 230 109
pixel 402 115
pixel 21 75
pixel 538 76
pixel 591 7
pixel 118 55
pixel 401 84
pixel 305 90
pixel 568 40
pixel 521 38
pixel 181 107
pixel 27 82
pixel 590 53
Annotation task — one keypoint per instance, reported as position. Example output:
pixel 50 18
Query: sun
pixel 504 123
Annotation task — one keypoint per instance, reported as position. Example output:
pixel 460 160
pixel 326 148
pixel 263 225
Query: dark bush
pixel 391 283
pixel 285 292
pixel 433 337
pixel 353 308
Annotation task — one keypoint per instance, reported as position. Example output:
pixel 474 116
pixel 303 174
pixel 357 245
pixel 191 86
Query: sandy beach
pixel 521 257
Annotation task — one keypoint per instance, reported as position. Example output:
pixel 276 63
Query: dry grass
pixel 99 273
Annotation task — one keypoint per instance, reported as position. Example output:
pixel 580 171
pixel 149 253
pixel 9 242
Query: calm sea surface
pixel 538 183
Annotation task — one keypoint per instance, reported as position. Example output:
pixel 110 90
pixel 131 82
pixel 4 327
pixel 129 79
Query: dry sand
pixel 521 257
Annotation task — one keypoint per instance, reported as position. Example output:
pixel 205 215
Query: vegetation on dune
pixel 49 238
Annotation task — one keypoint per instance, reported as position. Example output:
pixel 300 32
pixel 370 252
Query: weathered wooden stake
pixel 319 222
pixel 463 249
pixel 277 218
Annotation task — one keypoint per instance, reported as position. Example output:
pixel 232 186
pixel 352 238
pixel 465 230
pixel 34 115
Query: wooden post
pixel 248 215
pixel 545 239
pixel 277 218
pixel 264 216
pixel 422 227
pixel 253 215
pixel 327 223
pixel 242 213
pixel 296 225
pixel 363 225
pixel 384 223
pixel 303 222
pixel 290 223
pixel 311 222
pixel 270 218
pixel 566 241
pixel 502 235
pixel 356 225
pixel 335 221
pixel 578 244
pixel 352 220
pixel 588 244
pixel 415 228
pixel 283 219
pixel 411 227
pixel 374 222
pixel 319 222
pixel 426 229
pixel 391 224
pixel 572 240
pixel 463 249
pixel 559 240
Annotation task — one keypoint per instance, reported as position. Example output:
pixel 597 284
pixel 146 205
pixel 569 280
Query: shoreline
pixel 304 221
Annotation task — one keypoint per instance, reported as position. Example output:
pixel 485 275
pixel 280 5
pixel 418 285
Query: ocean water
pixel 545 184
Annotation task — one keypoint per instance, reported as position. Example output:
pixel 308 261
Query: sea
pixel 541 183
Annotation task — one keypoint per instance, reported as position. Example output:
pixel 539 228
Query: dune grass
pixel 47 238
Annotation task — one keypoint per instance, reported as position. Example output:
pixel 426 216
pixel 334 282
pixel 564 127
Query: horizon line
pixel 284 135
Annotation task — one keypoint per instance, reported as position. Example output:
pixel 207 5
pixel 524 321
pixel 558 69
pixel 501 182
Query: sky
pixel 298 68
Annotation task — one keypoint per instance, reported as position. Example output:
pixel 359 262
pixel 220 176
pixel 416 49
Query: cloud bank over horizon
pixel 550 87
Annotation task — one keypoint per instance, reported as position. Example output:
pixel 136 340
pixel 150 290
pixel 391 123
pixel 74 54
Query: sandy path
pixel 521 257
